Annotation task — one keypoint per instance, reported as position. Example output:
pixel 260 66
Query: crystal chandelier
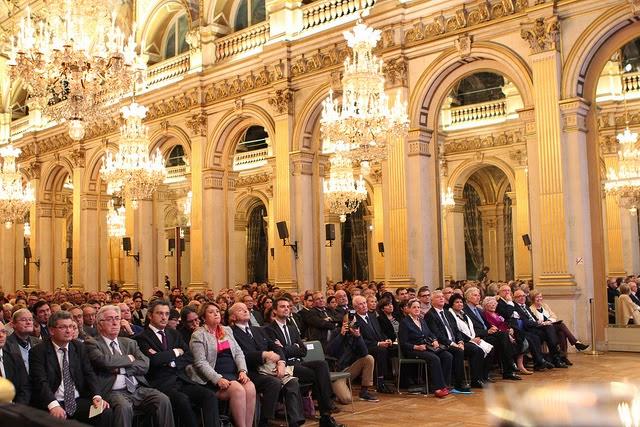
pixel 131 172
pixel 116 220
pixel 74 62
pixel 186 208
pixel 447 202
pixel 342 192
pixel 624 183
pixel 15 199
pixel 363 122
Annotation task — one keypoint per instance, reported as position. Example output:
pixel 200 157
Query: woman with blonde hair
pixel 220 364
pixel 627 312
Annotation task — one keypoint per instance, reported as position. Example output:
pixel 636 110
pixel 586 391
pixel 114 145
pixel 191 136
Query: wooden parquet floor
pixel 470 410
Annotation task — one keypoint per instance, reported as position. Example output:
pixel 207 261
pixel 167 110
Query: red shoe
pixel 443 392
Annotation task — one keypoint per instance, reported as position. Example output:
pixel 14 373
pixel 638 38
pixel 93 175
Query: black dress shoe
pixel 382 388
pixel 329 421
pixel 540 368
pixel 549 365
pixel 477 384
pixel 511 376
pixel 567 361
pixel 581 346
pixel 560 364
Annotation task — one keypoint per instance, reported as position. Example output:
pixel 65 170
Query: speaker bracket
pixel 293 246
pixel 135 256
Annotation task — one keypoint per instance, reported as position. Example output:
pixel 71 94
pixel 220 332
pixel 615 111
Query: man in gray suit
pixel 21 340
pixel 120 367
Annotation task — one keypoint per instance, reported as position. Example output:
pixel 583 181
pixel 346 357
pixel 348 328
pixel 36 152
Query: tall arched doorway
pixel 257 245
pixel 355 245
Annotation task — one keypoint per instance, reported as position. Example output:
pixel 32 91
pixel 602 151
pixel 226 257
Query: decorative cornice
pixel 483 142
pixel 282 101
pixel 197 124
pixel 635 7
pixel 543 34
pixel 318 60
pixel 240 85
pixel 461 19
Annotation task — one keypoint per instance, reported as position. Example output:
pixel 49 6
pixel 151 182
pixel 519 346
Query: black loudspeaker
pixel 69 253
pixel 330 231
pixel 126 244
pixel 283 232
pixel 526 240
pixel 381 247
pixel 27 252
pixel 182 245
pixel 273 252
pixel 172 245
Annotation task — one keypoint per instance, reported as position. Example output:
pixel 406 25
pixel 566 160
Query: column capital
pixel 519 157
pixel 396 72
pixel 213 178
pixel 574 114
pixel 78 157
pixel 302 163
pixel 281 100
pixel 528 116
pixel 232 179
pixel 323 164
pixel 418 141
pixel 197 124
pixel 542 33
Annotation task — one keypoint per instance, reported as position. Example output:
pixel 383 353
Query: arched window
pixel 175 42
pixel 249 13
pixel 176 157
pixel 254 138
pixel 477 88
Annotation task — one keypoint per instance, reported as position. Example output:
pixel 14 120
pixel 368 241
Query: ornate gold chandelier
pixel 342 192
pixel 15 199
pixel 116 220
pixel 74 75
pixel 624 183
pixel 363 122
pixel 131 172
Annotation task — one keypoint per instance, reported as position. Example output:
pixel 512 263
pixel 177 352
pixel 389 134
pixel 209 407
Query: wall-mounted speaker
pixel 381 247
pixel 69 253
pixel 330 231
pixel 526 239
pixel 283 231
pixel 27 252
pixel 126 244
pixel 172 245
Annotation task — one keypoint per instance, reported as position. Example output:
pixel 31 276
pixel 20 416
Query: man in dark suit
pixel 12 368
pixel 169 355
pixel 120 367
pixel 258 350
pixel 42 312
pixel 537 332
pixel 319 323
pixel 377 345
pixel 443 325
pixel 314 372
pixel 89 320
pixel 343 305
pixel 20 342
pixel 255 317
pixel 63 381
pixel 303 314
pixel 491 334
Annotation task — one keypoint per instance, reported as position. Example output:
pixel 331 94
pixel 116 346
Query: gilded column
pixel 214 220
pixel 551 238
pixel 237 262
pixel 614 215
pixel 8 257
pixel 43 249
pixel 520 216
pixel 376 263
pixel 86 251
pixel 456 260
pixel 34 169
pixel 198 125
pixel 304 218
pixel 144 246
pixel 630 243
pixel 284 196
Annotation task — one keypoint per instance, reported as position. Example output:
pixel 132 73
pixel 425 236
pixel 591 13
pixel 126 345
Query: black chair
pixel 421 363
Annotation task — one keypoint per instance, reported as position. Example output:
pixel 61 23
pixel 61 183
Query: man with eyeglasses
pixel 424 296
pixel 255 317
pixel 120 367
pixel 12 368
pixel 21 341
pixel 447 292
pixel 63 380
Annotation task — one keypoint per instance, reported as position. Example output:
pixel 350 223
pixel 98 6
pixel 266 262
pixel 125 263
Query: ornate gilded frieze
pixel 476 143
pixel 461 19
pixel 254 179
pixel 320 59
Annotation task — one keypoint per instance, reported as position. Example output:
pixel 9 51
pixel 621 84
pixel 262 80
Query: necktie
pixel 479 316
pixel 366 319
pixel 1 365
pixel 69 394
pixel 165 346
pixel 524 308
pixel 129 381
pixel 287 338
pixel 446 325
pixel 248 331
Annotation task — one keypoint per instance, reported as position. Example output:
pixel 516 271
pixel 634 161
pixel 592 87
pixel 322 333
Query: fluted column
pixel 520 217
pixel 305 220
pixel 490 241
pixel 8 258
pixel 376 263
pixel 198 125
pixel 420 220
pixel 237 274
pixel 614 214
pixel 86 243
pixel 456 266
pixel 630 243
pixel 43 248
pixel 214 227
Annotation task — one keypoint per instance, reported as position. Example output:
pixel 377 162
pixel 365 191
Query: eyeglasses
pixel 65 327
pixel 111 319
pixel 25 320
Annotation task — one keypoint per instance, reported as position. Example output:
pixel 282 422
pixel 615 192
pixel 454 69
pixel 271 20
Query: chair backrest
pixel 400 355
pixel 314 351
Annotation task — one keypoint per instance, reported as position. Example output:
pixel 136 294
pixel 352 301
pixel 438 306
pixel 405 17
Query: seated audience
pixel 169 355
pixel 42 311
pixel 220 364
pixel 127 327
pixel 21 341
pixel 627 313
pixel 62 379
pixel 120 367
pixel 189 322
pixel 12 368
pixel 389 325
pixel 319 322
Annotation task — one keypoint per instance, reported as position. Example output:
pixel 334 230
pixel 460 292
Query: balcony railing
pixel 319 12
pixel 250 159
pixel 242 41
pixel 176 173
pixel 474 115
pixel 19 127
pixel 168 69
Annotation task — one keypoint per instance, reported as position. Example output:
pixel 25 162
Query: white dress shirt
pixel 59 394
pixel 120 383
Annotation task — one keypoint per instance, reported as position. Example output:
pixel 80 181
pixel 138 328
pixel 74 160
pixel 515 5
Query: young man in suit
pixel 42 312
pixel 378 346
pixel 20 342
pixel 443 325
pixel 319 323
pixel 258 350
pixel 12 368
pixel 120 367
pixel 313 372
pixel 169 355
pixel 491 334
pixel 63 381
